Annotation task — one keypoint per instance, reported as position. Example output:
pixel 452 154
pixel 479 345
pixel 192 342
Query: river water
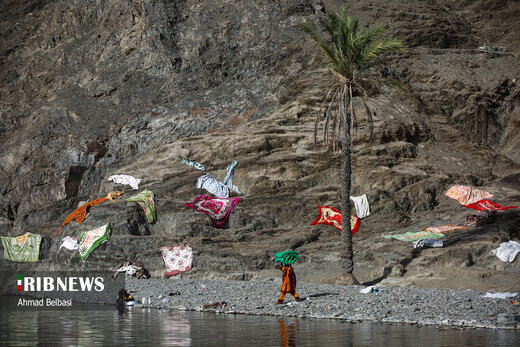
pixel 103 325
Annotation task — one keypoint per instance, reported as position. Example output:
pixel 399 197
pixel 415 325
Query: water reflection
pixel 175 329
pixel 85 326
pixel 288 333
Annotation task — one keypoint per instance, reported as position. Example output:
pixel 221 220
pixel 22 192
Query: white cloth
pixel 69 243
pixel 428 243
pixel 371 289
pixel 504 295
pixel 129 269
pixel 507 251
pixel 367 290
pixel 362 206
pixel 213 186
pixel 125 179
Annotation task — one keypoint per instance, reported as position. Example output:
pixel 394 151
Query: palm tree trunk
pixel 346 276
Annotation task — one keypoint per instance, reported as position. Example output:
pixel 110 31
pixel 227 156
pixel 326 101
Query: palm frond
pixel 350 50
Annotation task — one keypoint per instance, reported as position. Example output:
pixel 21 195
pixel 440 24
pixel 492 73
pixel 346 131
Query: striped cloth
pixel 194 164
pixel 228 179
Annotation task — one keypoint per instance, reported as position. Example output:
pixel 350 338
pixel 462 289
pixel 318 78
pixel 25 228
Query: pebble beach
pixel 421 306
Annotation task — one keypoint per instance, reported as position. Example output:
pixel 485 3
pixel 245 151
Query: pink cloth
pixel 177 259
pixel 467 195
pixel 217 208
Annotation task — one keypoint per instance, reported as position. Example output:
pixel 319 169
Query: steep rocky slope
pixel 91 88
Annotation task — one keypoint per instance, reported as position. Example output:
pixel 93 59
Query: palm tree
pixel 350 51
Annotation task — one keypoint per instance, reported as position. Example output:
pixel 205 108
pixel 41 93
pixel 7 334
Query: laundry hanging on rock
pixel 194 164
pixel 177 259
pixel 218 209
pixel 131 268
pixel 507 251
pixel 228 178
pixel 445 228
pixel 90 240
pixel 467 195
pixel 219 189
pixel 126 179
pixel 145 199
pixel 361 205
pixel 428 243
pixel 330 216
pixel 213 186
pixel 69 243
pixel 22 249
pixel 480 218
pixel 487 205
pixel 414 236
pixel 78 215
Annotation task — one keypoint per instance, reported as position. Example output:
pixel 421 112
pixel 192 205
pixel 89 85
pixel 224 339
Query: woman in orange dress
pixel 289 283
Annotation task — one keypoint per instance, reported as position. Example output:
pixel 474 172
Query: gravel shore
pixel 437 307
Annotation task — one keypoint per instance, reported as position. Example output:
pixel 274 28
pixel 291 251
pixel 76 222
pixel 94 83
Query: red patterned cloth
pixel 78 215
pixel 487 205
pixel 330 216
pixel 217 208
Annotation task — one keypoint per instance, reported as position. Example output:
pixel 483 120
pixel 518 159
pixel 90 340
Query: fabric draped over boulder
pixel 145 199
pixel 480 218
pixel 488 205
pixel 194 164
pixel 444 228
pixel 78 215
pixel 177 259
pixel 126 179
pixel 228 179
pixel 218 209
pixel 414 236
pixel 219 189
pixel 69 243
pixel 213 186
pixel 22 249
pixel 330 216
pixel 467 195
pixel 92 239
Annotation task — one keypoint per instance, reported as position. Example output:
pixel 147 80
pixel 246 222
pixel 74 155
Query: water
pixel 104 326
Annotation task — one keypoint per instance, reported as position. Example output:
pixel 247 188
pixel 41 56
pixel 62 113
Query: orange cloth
pixel 79 214
pixel 289 282
pixel 289 279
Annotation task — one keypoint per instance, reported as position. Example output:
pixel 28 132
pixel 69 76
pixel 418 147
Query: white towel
pixel 125 179
pixel 69 243
pixel 362 206
pixel 213 186
pixel 507 251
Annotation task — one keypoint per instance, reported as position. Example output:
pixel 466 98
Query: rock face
pixel 91 89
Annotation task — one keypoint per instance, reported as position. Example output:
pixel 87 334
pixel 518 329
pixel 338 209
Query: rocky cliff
pixel 95 88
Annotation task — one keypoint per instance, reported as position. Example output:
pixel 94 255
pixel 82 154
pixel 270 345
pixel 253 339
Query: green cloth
pixel 287 257
pixel 22 249
pixel 90 240
pixel 145 200
pixel 414 236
